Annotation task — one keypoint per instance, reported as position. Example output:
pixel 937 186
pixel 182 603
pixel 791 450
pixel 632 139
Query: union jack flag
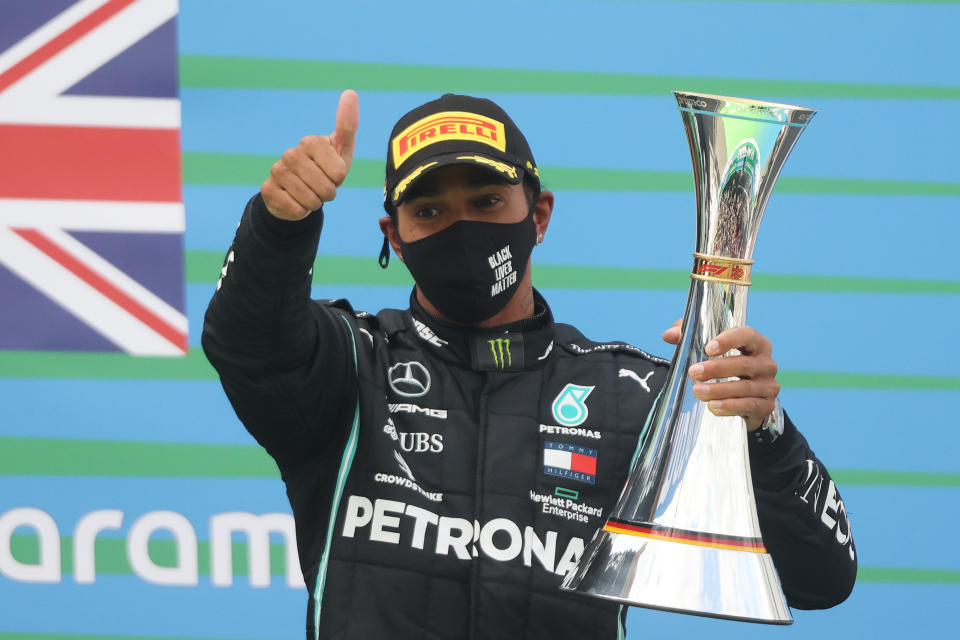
pixel 91 214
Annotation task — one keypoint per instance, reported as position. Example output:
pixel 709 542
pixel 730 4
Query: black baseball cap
pixel 455 129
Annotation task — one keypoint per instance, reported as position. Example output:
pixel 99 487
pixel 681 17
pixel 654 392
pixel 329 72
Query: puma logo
pixel 627 373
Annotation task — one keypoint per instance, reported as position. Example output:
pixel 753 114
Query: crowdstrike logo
pixel 409 379
pixel 499 539
pixel 404 466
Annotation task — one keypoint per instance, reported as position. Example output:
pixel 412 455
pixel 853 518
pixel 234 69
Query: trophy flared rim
pixel 745 101
pixel 680 577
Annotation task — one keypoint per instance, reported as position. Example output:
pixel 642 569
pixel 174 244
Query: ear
pixel 390 231
pixel 542 212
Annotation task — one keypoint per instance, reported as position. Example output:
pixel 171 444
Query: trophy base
pixel 681 578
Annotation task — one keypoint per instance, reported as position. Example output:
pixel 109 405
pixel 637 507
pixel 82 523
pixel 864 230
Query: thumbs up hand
pixel 308 175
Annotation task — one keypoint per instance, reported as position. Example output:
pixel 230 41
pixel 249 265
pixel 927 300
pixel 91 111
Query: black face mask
pixel 470 270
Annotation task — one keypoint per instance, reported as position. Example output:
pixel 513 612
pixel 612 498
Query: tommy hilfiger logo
pixel 570 461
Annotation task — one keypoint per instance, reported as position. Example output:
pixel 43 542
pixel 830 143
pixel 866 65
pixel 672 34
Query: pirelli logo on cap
pixel 447 125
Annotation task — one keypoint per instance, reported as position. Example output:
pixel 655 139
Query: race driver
pixel 447 463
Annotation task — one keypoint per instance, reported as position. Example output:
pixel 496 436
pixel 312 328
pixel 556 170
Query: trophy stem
pixel 690 437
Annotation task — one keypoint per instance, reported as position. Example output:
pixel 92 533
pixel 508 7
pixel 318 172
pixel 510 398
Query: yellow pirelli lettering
pixel 447 125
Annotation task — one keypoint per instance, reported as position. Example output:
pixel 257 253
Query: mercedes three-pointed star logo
pixel 409 379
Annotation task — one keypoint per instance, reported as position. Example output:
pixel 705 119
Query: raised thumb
pixel 348 119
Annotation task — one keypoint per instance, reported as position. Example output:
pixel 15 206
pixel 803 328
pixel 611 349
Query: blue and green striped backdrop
pixel 856 282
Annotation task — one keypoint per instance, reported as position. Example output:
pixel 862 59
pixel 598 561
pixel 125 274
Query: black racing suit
pixel 443 481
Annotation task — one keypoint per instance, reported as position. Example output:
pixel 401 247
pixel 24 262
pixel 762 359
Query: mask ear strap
pixel 384 259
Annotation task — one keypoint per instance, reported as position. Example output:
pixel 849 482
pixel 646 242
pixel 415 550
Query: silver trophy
pixel 684 535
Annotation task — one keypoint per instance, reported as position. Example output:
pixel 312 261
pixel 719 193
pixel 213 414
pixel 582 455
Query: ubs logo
pixel 409 379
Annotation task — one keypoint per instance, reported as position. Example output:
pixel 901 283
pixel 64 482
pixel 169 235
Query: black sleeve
pixel 803 520
pixel 284 361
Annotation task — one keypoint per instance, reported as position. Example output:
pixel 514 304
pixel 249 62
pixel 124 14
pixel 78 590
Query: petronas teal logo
pixel 500 348
pixel 569 407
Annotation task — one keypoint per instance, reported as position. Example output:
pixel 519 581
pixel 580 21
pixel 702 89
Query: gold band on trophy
pixel 721 269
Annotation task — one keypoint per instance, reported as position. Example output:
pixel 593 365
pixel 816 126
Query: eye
pixel 426 213
pixel 488 200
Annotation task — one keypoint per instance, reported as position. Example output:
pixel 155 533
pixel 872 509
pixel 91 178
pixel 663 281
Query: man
pixel 419 447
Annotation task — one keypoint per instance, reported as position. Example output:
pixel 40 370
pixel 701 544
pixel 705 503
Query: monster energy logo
pixel 500 348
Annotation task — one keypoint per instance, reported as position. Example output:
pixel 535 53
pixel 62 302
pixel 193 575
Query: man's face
pixel 458 192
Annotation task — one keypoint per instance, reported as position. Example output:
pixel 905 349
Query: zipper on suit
pixel 478 502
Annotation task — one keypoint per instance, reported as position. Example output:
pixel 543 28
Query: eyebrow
pixel 431 189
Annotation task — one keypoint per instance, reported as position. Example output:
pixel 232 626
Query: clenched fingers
pixel 309 173
pixel 766 389
pixel 753 367
pixel 278 200
pixel 745 339
pixel 323 152
pixel 322 179
pixel 747 383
